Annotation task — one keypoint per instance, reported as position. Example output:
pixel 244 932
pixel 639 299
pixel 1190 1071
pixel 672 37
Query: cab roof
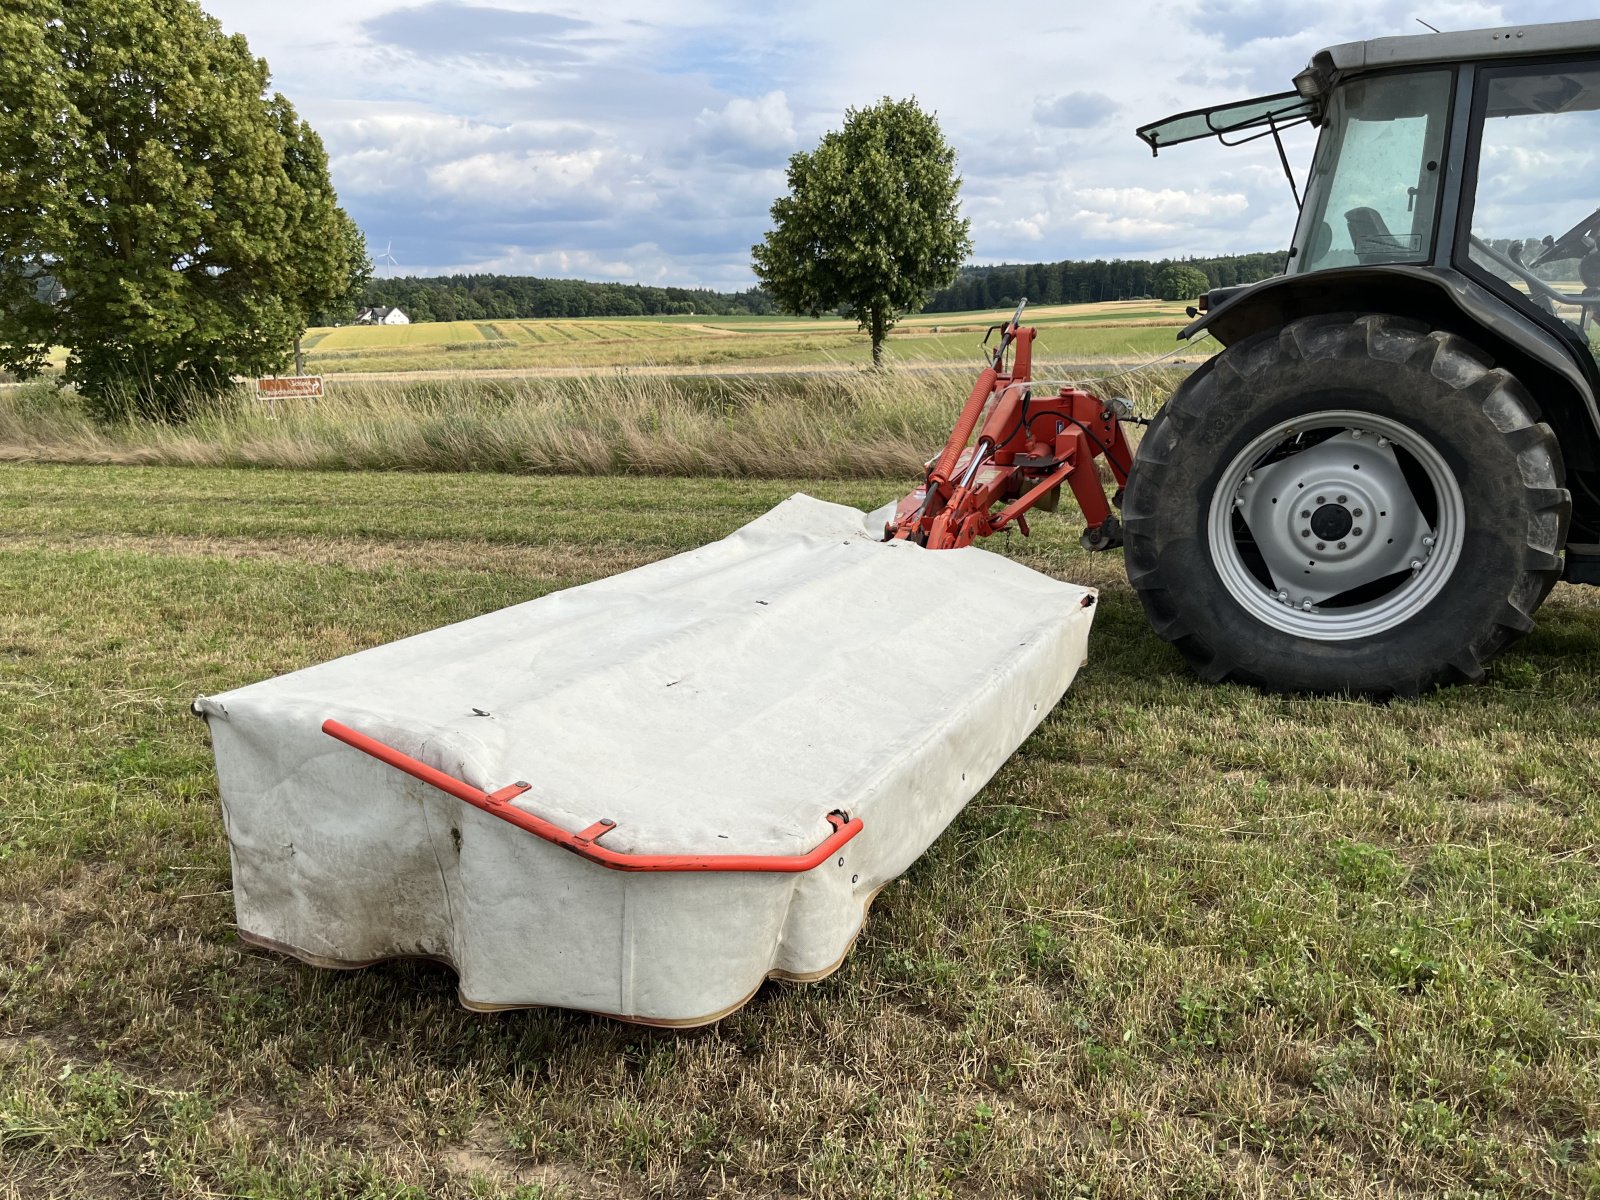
pixel 1244 120
pixel 1330 66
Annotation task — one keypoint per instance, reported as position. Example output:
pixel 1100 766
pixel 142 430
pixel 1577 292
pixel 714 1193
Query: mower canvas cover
pixel 643 796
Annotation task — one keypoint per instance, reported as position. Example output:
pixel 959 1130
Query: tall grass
pixel 839 426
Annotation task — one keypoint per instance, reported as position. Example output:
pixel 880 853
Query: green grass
pixel 1191 941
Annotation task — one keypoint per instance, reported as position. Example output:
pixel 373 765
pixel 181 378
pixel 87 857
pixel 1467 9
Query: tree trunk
pixel 877 327
pixel 299 359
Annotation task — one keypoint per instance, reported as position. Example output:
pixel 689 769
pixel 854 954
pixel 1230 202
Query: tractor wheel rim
pixel 1317 527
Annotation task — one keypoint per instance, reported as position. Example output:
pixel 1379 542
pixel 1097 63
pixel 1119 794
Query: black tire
pixel 1480 422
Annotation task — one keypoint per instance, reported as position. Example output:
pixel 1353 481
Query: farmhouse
pixel 381 316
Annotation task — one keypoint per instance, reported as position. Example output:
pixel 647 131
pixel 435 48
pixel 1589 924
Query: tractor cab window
pixel 1535 222
pixel 1374 188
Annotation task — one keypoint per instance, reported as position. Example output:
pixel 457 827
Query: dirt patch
pixel 479 1161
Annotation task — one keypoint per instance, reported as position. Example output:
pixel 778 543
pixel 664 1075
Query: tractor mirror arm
pixel 1526 273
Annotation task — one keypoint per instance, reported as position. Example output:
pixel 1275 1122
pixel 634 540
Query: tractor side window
pixel 1536 213
pixel 1374 187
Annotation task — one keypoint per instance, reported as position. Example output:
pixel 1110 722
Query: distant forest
pixel 508 297
pixel 1074 282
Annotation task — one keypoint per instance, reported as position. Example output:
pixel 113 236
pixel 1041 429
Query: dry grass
pixel 1190 942
pixel 844 426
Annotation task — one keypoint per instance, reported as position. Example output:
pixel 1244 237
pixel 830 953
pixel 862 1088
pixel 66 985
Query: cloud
pixel 446 28
pixel 381 148
pixel 1239 24
pixel 1076 110
pixel 526 180
pixel 1166 204
pixel 746 130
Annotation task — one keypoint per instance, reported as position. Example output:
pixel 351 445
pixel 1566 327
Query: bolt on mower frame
pixel 1028 445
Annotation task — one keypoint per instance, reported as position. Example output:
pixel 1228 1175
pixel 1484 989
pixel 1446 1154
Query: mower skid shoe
pixel 642 796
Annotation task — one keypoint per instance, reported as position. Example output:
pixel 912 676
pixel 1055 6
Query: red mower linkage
pixel 1027 447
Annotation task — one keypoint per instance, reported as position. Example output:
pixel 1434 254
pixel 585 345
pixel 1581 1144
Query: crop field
pixel 1191 941
pixel 1082 333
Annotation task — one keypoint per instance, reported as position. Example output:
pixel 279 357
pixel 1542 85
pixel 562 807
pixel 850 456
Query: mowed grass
pixel 1190 941
pixel 1076 333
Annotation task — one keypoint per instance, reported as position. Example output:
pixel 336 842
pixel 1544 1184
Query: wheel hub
pixel 1335 522
pixel 1331 522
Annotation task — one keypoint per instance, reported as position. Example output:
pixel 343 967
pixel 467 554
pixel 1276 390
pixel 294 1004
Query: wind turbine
pixel 388 259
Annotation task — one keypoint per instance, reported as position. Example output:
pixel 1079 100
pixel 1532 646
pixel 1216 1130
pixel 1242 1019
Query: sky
pixel 646 141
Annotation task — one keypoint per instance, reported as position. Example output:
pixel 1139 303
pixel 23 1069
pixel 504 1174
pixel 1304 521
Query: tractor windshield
pixel 1374 189
pixel 1535 222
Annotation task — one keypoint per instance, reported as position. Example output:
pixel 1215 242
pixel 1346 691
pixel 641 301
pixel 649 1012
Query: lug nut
pixel 1322 545
pixel 1283 597
pixel 1416 564
pixel 1306 513
pixel 1305 605
pixel 1342 499
pixel 1305 533
pixel 1429 540
pixel 1341 545
pixel 1355 433
pixel 1322 499
pixel 1356 531
pixel 1355 512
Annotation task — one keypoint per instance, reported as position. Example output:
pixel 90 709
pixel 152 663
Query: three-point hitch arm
pixel 1027 446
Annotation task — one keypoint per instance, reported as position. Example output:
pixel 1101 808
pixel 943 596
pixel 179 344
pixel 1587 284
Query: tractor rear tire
pixel 1260 550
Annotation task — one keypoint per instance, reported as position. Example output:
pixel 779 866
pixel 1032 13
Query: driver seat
pixel 1371 239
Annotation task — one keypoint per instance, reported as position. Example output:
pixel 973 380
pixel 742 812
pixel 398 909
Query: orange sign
pixel 290 387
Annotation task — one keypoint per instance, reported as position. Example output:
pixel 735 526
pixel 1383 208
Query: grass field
pixel 1190 942
pixel 1077 333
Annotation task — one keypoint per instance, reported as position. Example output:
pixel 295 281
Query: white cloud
pixel 527 178
pixel 1168 204
pixel 764 126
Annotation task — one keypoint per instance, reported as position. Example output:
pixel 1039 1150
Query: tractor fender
pixel 1448 301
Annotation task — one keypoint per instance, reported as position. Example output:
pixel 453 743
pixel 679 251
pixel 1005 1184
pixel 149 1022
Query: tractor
pixel 1378 480
pixel 1368 488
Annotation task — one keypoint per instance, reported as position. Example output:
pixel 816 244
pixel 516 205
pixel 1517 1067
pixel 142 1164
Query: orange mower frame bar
pixel 586 844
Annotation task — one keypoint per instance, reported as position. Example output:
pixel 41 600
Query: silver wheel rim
pixel 1351 547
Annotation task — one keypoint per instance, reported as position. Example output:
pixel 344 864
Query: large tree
pixel 184 213
pixel 872 223
pixel 1179 281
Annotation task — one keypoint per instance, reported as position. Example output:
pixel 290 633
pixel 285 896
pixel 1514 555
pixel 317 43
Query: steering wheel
pixel 1574 243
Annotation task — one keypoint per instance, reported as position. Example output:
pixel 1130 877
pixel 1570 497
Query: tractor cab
pixel 1474 152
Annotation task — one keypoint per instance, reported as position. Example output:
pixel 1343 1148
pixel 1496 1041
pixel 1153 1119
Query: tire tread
pixel 1460 367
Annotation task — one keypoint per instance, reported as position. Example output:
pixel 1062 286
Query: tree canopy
pixel 184 214
pixel 1176 281
pixel 871 224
